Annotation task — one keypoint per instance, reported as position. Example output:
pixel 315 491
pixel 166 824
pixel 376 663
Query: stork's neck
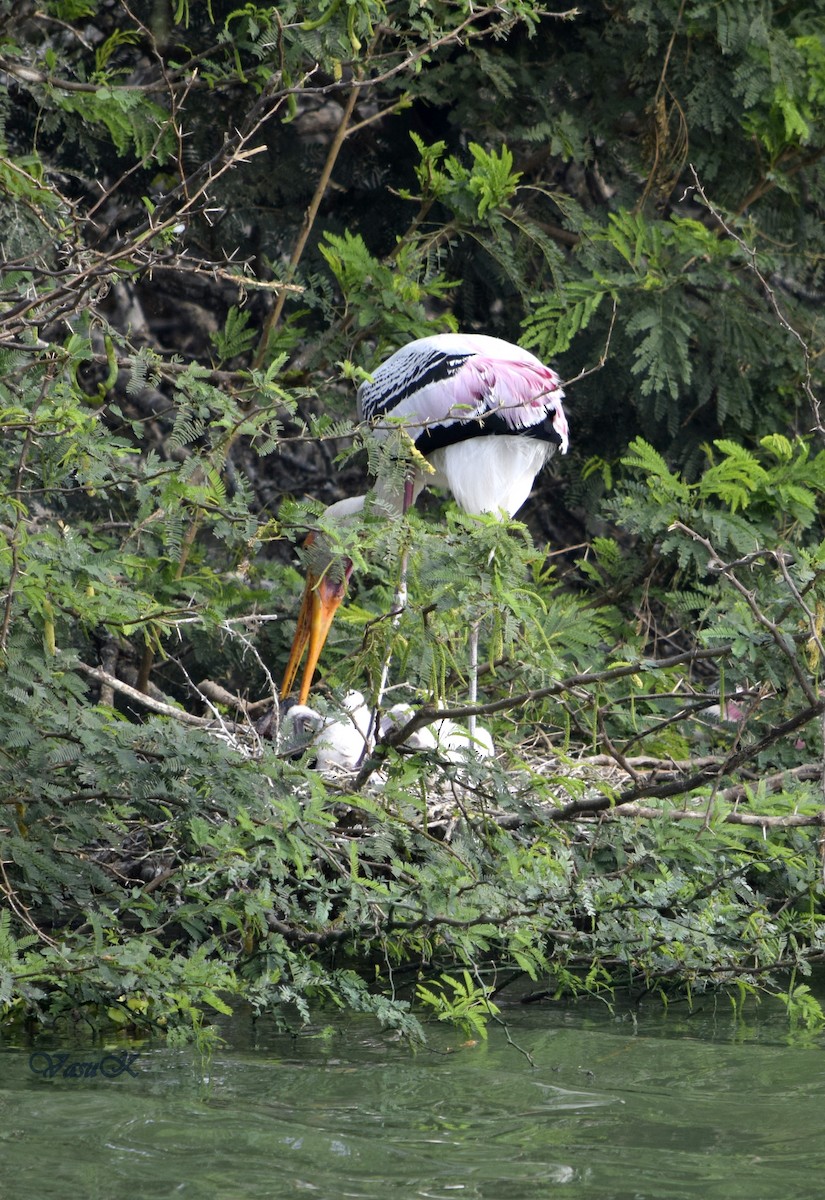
pixel 344 510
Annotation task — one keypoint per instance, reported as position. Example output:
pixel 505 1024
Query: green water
pixel 666 1106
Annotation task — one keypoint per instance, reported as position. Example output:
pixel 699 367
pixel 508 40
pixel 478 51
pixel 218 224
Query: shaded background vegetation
pixel 213 218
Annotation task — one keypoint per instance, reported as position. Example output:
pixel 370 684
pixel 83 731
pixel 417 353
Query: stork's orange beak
pixel 322 598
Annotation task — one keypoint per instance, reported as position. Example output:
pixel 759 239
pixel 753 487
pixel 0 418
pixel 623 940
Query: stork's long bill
pixel 322 598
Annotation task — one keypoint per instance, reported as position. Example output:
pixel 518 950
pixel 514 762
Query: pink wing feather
pixel 451 379
pixel 521 392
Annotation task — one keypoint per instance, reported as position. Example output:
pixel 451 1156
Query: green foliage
pixel 557 319
pixel 236 337
pixel 211 213
pixel 782 494
pixel 469 1007
pixel 792 113
pixel 491 181
pixel 379 293
pixel 804 1010
pixel 132 122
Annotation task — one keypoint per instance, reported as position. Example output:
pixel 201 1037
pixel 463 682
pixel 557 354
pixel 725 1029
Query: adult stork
pixel 485 414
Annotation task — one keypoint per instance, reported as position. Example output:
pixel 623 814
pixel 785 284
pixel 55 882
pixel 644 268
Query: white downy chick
pixel 397 717
pixel 457 743
pixel 339 742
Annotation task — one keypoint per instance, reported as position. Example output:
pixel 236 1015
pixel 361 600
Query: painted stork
pixel 485 414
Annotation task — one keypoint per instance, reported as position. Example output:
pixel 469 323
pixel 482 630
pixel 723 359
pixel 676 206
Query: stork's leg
pixel 399 603
pixel 473 688
pixel 473 672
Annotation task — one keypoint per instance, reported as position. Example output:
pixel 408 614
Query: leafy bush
pixel 215 220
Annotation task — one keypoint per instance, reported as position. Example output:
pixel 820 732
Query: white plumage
pixel 340 741
pixel 458 743
pixel 486 414
pixel 337 742
pixel 490 475
pixel 396 718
